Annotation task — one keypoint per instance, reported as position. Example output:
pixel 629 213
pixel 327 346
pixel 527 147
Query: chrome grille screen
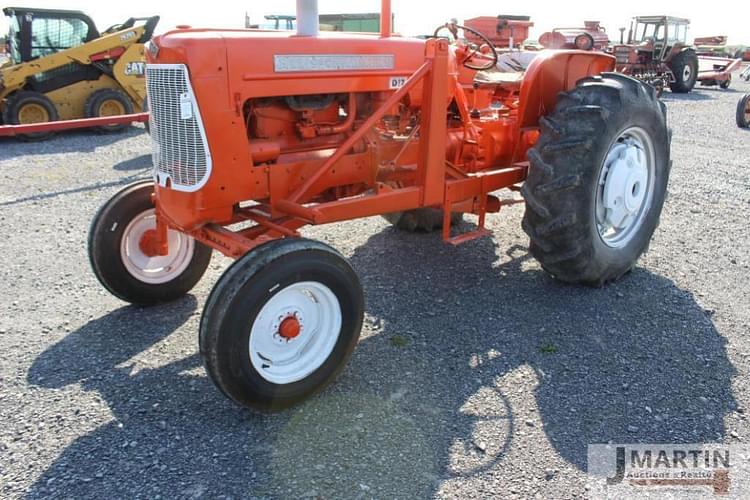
pixel 180 150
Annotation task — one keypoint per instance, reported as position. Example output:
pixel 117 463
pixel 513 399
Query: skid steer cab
pixel 62 68
pixel 320 128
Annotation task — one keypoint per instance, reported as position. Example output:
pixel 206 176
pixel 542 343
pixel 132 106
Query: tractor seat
pixel 492 77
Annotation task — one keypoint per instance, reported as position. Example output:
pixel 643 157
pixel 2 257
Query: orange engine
pixel 251 115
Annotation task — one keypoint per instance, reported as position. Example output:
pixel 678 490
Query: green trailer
pixel 353 23
pixel 357 23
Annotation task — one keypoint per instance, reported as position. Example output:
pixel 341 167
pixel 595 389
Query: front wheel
pixel 597 180
pixel 281 323
pixel 122 261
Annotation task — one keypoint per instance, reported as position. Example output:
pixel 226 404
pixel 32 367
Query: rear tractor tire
pixel 281 323
pixel 421 219
pixel 684 66
pixel 28 107
pixel 123 267
pixel 597 179
pixel 108 102
pixel 743 112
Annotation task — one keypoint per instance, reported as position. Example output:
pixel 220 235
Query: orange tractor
pixel 592 36
pixel 320 128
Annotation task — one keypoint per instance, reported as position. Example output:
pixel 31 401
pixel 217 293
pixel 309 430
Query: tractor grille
pixel 622 54
pixel 180 150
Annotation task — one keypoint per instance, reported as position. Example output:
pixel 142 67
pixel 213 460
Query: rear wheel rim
pixel 154 269
pixel 625 190
pixel 284 359
pixel 687 73
pixel 111 107
pixel 32 113
pixel 747 110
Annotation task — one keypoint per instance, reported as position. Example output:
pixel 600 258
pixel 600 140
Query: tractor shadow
pixel 637 361
pixel 472 360
pixel 143 162
pixel 696 94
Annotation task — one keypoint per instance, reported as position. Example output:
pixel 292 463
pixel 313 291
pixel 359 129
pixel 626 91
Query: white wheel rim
pixel 158 269
pixel 282 360
pixel 687 73
pixel 626 187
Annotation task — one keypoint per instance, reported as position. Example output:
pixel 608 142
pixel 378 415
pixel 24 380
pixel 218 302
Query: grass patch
pixel 399 341
pixel 548 348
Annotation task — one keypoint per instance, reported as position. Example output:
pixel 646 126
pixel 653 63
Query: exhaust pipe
pixel 385 18
pixel 308 23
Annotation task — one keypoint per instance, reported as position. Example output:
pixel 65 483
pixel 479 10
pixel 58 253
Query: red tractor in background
pixel 317 128
pixel 592 36
pixel 504 31
pixel 657 52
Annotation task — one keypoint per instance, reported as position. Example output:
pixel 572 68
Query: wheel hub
pixel 290 327
pixel 625 188
pixel 295 332
pixel 33 113
pixel 687 73
pixel 111 107
pixel 140 254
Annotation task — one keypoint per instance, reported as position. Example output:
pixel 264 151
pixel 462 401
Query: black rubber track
pixel 565 164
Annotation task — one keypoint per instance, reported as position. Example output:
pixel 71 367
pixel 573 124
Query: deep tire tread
pixel 564 173
pixel 742 104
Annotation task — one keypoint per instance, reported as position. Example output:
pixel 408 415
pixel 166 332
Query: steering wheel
pixel 474 49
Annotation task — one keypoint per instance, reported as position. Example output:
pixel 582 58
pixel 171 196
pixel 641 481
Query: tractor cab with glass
pixel 657 52
pixel 658 34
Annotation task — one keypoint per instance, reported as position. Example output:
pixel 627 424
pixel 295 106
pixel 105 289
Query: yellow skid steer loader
pixel 62 68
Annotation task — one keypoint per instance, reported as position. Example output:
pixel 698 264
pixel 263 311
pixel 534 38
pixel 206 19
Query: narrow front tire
pixel 123 267
pixel 281 323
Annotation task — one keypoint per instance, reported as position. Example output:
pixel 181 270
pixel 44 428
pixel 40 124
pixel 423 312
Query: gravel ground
pixel 476 374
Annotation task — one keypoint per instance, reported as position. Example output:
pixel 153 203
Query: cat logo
pixel 137 68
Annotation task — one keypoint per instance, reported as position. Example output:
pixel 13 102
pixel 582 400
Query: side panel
pixel 129 71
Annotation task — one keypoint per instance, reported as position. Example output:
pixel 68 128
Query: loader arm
pixel 114 45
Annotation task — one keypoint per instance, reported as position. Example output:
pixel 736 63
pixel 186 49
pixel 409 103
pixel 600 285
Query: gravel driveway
pixel 476 374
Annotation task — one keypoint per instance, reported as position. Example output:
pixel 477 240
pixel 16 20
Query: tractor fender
pixel 679 50
pixel 552 72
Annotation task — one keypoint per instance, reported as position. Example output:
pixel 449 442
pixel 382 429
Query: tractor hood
pixel 252 58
